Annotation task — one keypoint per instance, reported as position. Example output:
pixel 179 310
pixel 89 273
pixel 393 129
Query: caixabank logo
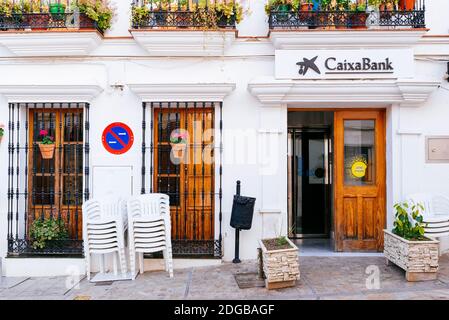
pixel 332 65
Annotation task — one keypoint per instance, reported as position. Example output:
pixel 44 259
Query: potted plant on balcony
pixel 358 16
pixel 57 10
pixel 11 15
pixel 306 5
pixel 407 247
pixel 282 8
pixel 140 16
pixel 2 132
pixel 36 14
pixel 228 13
pixel 46 145
pixel 44 231
pixel 178 143
pixel 280 262
pixel 99 11
pixel 386 8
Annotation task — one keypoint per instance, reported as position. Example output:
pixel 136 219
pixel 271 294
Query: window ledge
pixel 51 43
pixel 326 39
pixel 184 43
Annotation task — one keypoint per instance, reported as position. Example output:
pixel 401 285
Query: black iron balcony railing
pixel 46 21
pixel 46 15
pixel 196 14
pixel 353 14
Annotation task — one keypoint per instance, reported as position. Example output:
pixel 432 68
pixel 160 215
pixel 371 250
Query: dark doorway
pixel 310 174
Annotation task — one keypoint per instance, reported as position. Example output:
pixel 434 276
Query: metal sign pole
pixel 237 233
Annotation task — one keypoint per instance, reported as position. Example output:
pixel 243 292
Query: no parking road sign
pixel 117 138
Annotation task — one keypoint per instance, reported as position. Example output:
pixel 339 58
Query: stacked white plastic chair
pixel 436 213
pixel 104 225
pixel 149 229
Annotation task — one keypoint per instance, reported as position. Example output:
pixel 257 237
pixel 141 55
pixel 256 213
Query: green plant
pixel 178 137
pixel 43 230
pixel 281 241
pixel 99 11
pixel 45 137
pixel 408 222
pixel 8 8
pixel 2 130
pixel 273 5
pixel 139 15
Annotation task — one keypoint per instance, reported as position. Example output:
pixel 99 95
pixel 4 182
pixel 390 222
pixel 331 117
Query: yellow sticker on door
pixel 358 168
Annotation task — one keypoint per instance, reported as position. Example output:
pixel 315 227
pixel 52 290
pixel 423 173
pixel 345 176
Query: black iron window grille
pixel 346 14
pixel 199 14
pixel 43 15
pixel 185 161
pixel 46 186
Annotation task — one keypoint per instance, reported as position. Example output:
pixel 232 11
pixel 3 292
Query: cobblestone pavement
pixel 321 278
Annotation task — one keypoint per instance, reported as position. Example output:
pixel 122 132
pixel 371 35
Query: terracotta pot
pixel 357 20
pixel 178 150
pixel 408 5
pixel 47 151
pixel 306 7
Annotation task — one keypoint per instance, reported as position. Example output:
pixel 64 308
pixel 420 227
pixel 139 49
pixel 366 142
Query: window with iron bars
pixel 47 186
pixel 185 160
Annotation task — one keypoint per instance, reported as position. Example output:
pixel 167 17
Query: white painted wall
pixel 122 61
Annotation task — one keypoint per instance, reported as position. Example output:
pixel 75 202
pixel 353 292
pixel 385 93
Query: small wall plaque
pixel 437 149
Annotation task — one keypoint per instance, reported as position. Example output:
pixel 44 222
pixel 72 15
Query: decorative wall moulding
pixel 160 92
pixel 184 43
pixel 79 43
pixel 50 93
pixel 342 93
pixel 355 39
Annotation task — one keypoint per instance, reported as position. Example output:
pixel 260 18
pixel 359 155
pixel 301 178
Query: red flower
pixel 43 132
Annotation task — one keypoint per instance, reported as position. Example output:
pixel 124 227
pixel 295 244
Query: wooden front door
pixel 359 180
pixel 187 176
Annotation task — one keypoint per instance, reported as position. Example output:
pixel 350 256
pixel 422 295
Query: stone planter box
pixel 419 259
pixel 281 267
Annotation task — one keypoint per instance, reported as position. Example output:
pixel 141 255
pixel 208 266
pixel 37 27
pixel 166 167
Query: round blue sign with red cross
pixel 117 138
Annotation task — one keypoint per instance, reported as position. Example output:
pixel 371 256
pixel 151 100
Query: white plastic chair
pixel 104 225
pixel 436 213
pixel 149 229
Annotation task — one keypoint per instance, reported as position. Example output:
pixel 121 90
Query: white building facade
pixel 326 125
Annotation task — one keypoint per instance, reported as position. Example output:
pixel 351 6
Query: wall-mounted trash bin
pixel 242 212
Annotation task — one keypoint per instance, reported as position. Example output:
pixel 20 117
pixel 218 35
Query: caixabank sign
pixel 344 64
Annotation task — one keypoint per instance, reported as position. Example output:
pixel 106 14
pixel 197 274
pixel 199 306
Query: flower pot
pixel 306 6
pixel 47 151
pixel 357 20
pixel 408 5
pixel 57 11
pixel 281 267
pixel 419 259
pixel 178 150
pixel 282 12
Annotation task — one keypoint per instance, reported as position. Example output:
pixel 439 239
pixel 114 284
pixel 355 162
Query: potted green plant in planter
pixel 358 15
pixel 99 11
pixel 11 14
pixel 228 13
pixel 57 10
pixel 2 132
pixel 280 262
pixel 407 247
pixel 44 231
pixel 282 8
pixel 46 145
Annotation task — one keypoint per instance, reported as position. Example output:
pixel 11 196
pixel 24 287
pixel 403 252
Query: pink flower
pixel 51 138
pixel 43 132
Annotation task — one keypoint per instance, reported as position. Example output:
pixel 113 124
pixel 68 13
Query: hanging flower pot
pixel 47 151
pixel 178 150
pixel 178 143
pixel 46 145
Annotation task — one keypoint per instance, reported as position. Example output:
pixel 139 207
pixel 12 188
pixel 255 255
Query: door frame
pixel 334 234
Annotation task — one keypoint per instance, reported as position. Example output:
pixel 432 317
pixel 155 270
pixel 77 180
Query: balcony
pixel 53 27
pixel 194 14
pixel 346 14
pixel 208 26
